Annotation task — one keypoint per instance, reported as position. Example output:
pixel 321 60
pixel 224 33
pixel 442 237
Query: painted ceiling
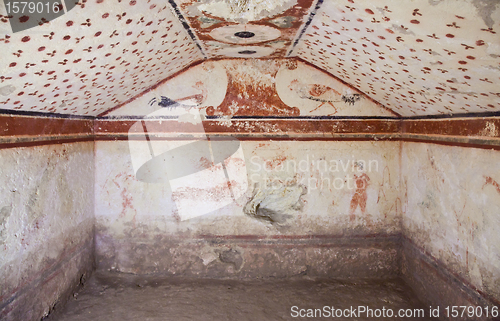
pixel 300 58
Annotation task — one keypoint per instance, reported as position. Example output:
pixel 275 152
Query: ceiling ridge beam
pixel 186 26
pixel 308 22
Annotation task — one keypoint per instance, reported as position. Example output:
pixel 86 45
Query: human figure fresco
pixel 360 196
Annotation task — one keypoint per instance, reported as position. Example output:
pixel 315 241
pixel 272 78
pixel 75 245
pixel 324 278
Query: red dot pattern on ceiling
pixel 96 56
pixel 416 59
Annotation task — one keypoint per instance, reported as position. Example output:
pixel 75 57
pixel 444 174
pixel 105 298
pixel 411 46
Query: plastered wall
pixel 282 229
pixel 311 207
pixel 46 226
pixel 452 209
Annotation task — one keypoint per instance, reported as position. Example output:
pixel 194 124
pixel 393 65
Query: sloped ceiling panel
pixel 96 56
pixel 415 57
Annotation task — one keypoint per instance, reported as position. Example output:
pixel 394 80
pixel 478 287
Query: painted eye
pixel 244 34
pixel 247 52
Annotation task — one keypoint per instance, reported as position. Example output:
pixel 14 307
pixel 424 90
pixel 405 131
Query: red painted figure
pixel 360 196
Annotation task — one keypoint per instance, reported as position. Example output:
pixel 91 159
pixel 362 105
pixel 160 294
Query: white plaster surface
pixel 46 209
pixel 246 10
pixel 127 207
pixel 452 207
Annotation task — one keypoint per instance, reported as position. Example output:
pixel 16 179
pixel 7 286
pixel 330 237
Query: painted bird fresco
pixel 322 94
pixel 184 102
pixel 316 92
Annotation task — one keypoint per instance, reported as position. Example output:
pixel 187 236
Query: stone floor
pixel 127 297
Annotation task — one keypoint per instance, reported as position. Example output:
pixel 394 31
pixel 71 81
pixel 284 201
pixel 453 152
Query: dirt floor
pixel 128 297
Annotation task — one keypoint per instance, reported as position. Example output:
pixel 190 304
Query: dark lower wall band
pixel 435 284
